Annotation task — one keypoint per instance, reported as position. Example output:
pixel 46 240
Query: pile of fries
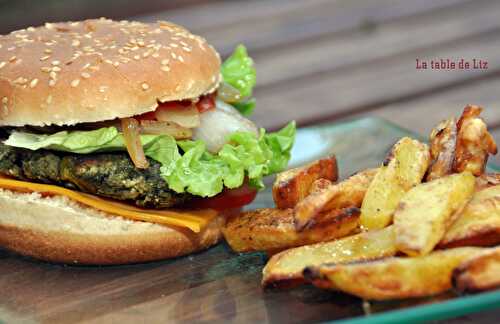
pixel 425 221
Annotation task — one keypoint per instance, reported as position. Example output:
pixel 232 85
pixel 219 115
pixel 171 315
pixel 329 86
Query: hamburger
pixel 125 142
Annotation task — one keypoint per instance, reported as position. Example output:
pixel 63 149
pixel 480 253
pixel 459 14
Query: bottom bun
pixel 57 229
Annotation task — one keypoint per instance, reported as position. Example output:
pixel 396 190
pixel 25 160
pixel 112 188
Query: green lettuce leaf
pixel 239 72
pixel 245 107
pixel 195 170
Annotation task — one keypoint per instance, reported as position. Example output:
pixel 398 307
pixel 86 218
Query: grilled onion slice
pixel 131 133
pixel 165 128
pixel 185 116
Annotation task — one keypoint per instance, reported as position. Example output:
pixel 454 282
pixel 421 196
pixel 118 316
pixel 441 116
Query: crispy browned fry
pixel 293 185
pixel 348 193
pixel 273 229
pixel 443 142
pixel 487 180
pixel 319 185
pixel 479 223
pixel 394 277
pixel 474 142
pixel 404 168
pixel 285 268
pixel 427 211
pixel 481 272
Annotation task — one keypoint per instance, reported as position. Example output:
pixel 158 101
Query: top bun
pixel 95 70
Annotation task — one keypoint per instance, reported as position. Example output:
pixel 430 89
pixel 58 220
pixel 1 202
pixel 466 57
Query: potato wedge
pixel 427 211
pixel 443 141
pixel 474 142
pixel 481 272
pixel 348 193
pixel 319 185
pixel 285 268
pixel 403 169
pixel 487 180
pixel 273 229
pixel 293 185
pixel 479 223
pixel 394 277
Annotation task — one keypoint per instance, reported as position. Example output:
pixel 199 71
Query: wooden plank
pixel 264 24
pixel 422 113
pixel 337 52
pixel 23 13
pixel 327 96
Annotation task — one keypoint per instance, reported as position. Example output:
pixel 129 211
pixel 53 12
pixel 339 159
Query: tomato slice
pixel 228 199
pixel 206 103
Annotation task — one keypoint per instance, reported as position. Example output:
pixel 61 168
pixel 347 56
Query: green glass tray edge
pixel 439 311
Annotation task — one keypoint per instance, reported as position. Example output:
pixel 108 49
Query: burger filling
pixel 182 151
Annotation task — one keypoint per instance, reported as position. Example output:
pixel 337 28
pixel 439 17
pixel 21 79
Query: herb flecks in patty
pixel 109 175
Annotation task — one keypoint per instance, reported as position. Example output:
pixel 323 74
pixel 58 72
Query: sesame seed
pixel 56 62
pixel 52 82
pixel 2 64
pixel 43 58
pixel 48 50
pixel 187 49
pixel 49 99
pixel 46 69
pixel 116 64
pixel 11 48
pixel 165 68
pixel 85 75
pixel 33 83
pixel 174 45
pixel 12 58
pixel 181 58
pixel 75 83
pixel 53 75
pixel 75 43
pixel 56 69
pixel 173 55
pixel 165 61
pixel 108 61
pixel 145 86
pixel 102 88
pixel 85 66
pixel 136 57
pixel 155 55
pixel 5 100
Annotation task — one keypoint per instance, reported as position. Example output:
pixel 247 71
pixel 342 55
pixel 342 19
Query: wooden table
pixel 317 61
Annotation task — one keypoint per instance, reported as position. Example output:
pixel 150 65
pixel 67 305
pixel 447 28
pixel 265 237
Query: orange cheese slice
pixel 195 220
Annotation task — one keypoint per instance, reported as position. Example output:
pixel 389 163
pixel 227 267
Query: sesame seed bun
pixel 58 229
pixel 95 70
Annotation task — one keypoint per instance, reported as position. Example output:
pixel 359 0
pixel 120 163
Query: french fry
pixel 394 277
pixel 443 141
pixel 403 169
pixel 273 229
pixel 479 223
pixel 293 185
pixel 319 185
pixel 285 268
pixel 474 142
pixel 481 272
pixel 487 180
pixel 348 193
pixel 427 211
